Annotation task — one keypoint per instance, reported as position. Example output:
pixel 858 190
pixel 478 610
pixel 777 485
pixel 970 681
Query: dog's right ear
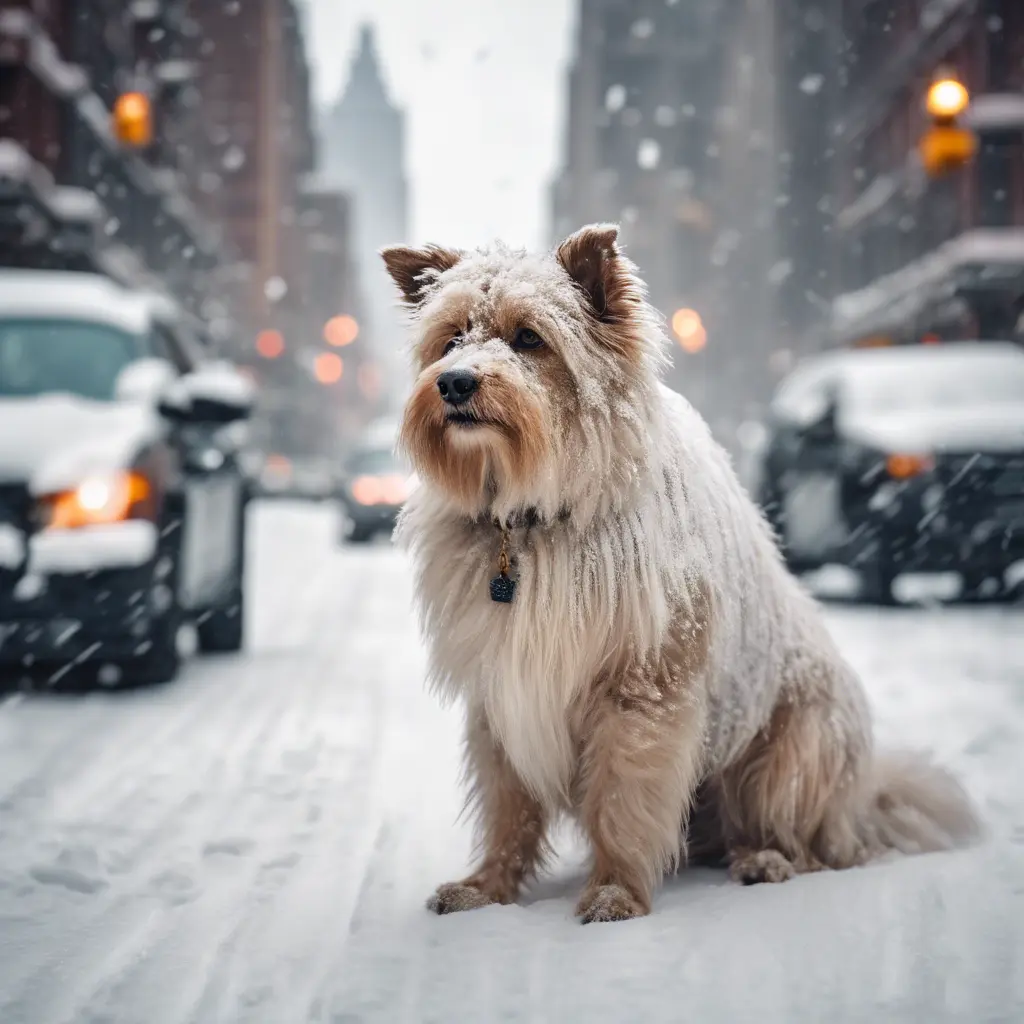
pixel 414 270
pixel 592 258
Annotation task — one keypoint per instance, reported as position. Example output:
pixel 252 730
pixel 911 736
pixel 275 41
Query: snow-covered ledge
pixel 996 112
pixel 989 245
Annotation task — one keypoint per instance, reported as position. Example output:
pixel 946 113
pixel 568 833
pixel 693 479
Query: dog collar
pixel 503 587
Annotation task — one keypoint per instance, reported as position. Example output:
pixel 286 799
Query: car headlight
pixel 99 500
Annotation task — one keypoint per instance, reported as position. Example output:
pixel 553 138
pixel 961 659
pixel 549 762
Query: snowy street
pixel 255 842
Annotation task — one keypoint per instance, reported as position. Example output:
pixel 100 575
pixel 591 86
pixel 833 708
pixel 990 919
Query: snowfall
pixel 255 842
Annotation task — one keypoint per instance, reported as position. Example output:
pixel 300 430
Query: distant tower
pixel 363 148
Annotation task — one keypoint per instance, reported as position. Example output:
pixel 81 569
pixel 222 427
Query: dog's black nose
pixel 457 386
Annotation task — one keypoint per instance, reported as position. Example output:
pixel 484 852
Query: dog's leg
pixel 512 828
pixel 642 766
pixel 789 802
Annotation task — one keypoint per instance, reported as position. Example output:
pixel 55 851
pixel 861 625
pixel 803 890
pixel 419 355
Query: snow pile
pixel 92 548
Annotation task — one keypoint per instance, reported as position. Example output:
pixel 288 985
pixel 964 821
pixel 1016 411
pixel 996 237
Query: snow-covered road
pixel 255 843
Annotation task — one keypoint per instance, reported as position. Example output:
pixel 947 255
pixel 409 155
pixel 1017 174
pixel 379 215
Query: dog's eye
pixel 527 339
pixel 450 347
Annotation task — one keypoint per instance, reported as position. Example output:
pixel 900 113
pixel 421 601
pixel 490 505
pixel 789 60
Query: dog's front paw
pixel 608 903
pixel 452 897
pixel 752 867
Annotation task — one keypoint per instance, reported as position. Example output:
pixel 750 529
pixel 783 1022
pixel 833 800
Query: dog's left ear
pixel 592 258
pixel 414 270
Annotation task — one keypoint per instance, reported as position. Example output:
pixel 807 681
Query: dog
pixel 597 588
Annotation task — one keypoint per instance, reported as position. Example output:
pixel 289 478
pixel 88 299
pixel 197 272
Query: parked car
pixel 376 483
pixel 122 500
pixel 309 478
pixel 898 460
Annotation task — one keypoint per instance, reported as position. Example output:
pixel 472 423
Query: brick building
pixel 70 194
pixel 915 255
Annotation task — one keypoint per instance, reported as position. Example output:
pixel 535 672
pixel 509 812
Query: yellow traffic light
pixel 133 119
pixel 947 99
pixel 946 146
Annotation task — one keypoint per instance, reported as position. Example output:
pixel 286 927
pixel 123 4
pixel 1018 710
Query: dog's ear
pixel 414 270
pixel 592 258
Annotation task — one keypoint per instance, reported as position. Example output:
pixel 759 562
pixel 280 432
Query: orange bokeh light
pixel 270 344
pixel 341 330
pixel 689 329
pixel 328 368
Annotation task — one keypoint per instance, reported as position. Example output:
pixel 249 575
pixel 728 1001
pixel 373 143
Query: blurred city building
pixel 363 148
pixel 918 254
pixel 670 131
pixel 207 195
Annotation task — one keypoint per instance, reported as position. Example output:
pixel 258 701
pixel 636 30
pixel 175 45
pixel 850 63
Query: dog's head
pixel 533 372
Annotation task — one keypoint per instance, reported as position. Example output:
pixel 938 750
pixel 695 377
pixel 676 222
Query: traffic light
pixel 133 120
pixel 947 146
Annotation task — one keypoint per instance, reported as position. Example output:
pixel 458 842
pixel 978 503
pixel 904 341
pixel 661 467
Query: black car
pixel 122 499
pixel 376 483
pixel 908 459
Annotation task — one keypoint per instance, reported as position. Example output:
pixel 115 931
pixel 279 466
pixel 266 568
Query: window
pixel 63 356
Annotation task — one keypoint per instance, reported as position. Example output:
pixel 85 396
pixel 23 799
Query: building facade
pixel 363 153
pixel 671 134
pixel 917 255
pixel 71 195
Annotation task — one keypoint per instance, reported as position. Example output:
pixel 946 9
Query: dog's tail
pixel 919 807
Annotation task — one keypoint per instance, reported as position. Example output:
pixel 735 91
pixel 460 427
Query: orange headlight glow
pixel 98 501
pixel 902 466
pixel 380 490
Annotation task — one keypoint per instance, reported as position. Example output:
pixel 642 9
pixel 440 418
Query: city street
pixel 255 842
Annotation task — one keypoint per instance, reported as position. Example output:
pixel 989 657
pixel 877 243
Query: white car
pixel 122 499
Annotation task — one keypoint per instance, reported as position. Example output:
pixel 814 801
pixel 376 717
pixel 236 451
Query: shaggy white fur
pixel 656 517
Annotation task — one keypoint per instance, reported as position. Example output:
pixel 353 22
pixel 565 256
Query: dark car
pixel 375 485
pixel 122 499
pixel 908 459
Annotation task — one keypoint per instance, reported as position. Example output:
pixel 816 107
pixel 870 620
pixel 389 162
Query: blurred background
pixel 826 198
pixel 764 161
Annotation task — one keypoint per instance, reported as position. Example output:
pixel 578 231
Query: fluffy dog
pixel 598 589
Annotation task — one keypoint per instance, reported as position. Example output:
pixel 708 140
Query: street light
pixel 689 329
pixel 946 146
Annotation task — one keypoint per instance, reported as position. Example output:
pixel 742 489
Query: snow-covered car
pixel 122 498
pixel 908 459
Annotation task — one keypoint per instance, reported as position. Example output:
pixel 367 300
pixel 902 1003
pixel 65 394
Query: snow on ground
pixel 255 842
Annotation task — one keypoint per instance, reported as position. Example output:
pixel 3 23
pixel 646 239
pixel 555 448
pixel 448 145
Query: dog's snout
pixel 457 386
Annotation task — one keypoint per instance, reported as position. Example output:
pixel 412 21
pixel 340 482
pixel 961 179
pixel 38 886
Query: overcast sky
pixel 483 84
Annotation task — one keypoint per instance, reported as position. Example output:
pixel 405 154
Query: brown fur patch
pixel 415 270
pixel 641 761
pixel 790 792
pixel 592 258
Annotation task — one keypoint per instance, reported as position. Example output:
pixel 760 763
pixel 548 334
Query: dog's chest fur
pixel 526 664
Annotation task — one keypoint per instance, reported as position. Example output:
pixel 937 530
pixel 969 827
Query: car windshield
pixel 939 381
pixel 375 461
pixel 44 356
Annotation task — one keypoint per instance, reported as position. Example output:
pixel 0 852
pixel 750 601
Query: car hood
pixel 985 428
pixel 50 442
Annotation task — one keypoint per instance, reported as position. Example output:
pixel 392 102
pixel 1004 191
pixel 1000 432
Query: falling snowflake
pixel 810 85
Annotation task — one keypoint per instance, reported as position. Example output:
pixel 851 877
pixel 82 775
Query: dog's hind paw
pixel 452 897
pixel 608 903
pixel 753 866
